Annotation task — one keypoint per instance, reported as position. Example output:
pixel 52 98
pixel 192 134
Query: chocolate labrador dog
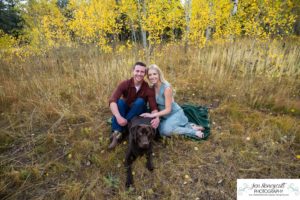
pixel 141 134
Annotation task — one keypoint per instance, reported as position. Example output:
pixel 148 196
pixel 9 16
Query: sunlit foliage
pixel 114 25
pixel 266 18
pixel 94 22
pixel 45 24
pixel 162 19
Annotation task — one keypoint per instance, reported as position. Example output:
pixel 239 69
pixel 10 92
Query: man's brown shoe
pixel 114 139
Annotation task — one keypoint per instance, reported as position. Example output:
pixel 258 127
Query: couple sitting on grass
pixel 130 99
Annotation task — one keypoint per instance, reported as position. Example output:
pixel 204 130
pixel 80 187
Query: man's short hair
pixel 139 63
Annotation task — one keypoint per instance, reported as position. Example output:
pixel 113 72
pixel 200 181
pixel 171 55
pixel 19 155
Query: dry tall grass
pixel 54 135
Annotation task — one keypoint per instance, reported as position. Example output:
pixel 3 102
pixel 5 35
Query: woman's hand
pixel 155 122
pixel 149 115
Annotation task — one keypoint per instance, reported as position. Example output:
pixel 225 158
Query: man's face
pixel 139 73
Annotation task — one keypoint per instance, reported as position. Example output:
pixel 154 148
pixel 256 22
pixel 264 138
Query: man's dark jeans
pixel 138 107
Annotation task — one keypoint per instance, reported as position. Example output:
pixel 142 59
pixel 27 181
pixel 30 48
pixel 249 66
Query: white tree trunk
pixel 187 10
pixel 133 36
pixel 235 7
pixel 208 31
pixel 142 11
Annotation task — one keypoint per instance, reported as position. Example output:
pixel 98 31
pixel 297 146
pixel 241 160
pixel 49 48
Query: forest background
pixel 61 59
pixel 35 26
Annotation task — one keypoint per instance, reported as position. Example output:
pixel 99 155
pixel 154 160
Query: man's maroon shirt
pixel 126 89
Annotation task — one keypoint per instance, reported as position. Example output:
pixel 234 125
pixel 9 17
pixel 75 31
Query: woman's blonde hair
pixel 160 73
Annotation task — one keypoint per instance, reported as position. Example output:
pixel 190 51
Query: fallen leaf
pixel 150 191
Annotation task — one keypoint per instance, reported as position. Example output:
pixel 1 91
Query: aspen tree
pixel 44 24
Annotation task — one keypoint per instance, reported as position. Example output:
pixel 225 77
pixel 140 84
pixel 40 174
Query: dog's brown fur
pixel 141 134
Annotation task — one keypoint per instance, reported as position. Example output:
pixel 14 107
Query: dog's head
pixel 142 135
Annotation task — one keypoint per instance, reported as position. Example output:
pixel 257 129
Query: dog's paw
pixel 150 167
pixel 129 185
pixel 130 189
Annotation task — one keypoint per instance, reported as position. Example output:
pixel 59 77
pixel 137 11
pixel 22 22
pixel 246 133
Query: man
pixel 130 99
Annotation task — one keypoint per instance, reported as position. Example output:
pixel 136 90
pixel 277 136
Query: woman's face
pixel 153 76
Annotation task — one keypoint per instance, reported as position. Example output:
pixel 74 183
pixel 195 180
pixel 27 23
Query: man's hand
pixel 121 121
pixel 115 111
pixel 155 122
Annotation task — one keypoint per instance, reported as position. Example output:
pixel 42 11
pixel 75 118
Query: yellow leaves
pixel 6 41
pixel 200 19
pixel 214 14
pixel 100 21
pixel 160 16
pixel 266 16
pixel 70 156
pixel 130 9
pixel 46 24
pixel 93 20
pixel 187 179
pixel 8 46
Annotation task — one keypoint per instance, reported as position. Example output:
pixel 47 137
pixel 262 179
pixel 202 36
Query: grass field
pixel 54 132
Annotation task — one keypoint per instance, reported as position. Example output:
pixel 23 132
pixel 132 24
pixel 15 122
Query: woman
pixel 173 120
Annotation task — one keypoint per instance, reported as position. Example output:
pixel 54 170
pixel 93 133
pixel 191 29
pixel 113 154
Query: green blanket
pixel 198 115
